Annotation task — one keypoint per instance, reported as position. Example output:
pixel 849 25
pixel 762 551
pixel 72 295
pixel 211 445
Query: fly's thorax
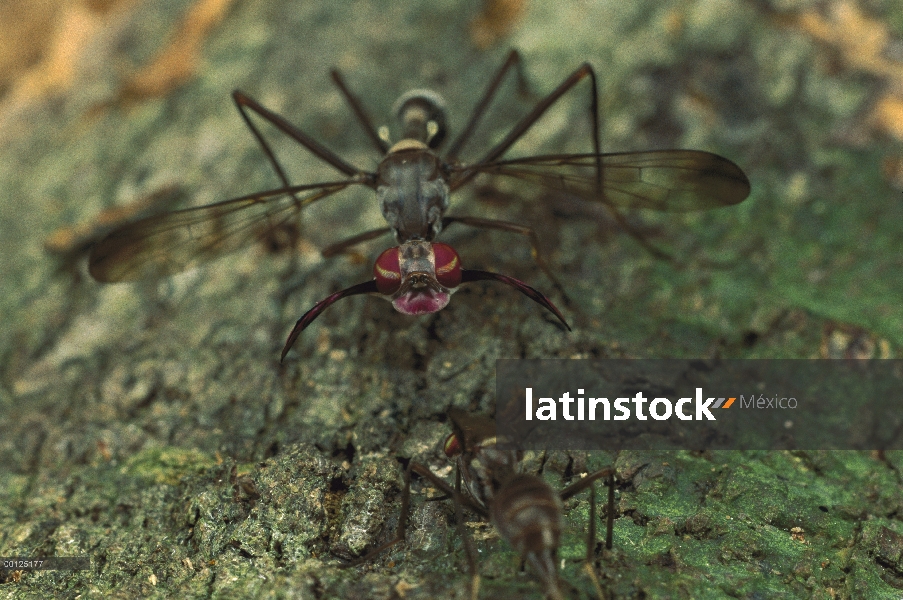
pixel 412 191
pixel 487 469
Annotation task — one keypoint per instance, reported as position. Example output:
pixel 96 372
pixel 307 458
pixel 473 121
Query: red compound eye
pixel 387 272
pixel 452 446
pixel 448 265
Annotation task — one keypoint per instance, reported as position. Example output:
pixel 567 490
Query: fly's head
pixel 419 277
pixel 484 465
pixel 412 191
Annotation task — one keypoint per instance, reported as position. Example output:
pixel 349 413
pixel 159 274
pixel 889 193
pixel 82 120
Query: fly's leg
pixel 610 516
pixel 246 103
pixel 342 246
pixel 241 101
pixel 400 532
pixel 589 563
pixel 468 543
pixel 576 488
pixel 591 542
pixel 581 484
pixel 527 232
pixel 448 490
pixel 358 109
pixel 460 501
pixel 585 70
pixel 479 110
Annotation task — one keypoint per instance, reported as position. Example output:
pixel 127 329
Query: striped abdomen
pixel 527 513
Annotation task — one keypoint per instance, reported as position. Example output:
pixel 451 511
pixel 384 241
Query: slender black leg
pixel 362 117
pixel 523 230
pixel 239 98
pixel 340 247
pixel 244 103
pixel 448 490
pixel 591 526
pixel 581 484
pixel 400 532
pixel 465 539
pixel 479 110
pixel 610 517
pixel 576 488
pixel 585 70
pixel 589 563
pixel 459 500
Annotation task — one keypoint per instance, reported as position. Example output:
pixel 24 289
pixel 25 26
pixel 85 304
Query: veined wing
pixel 72 240
pixel 172 242
pixel 665 180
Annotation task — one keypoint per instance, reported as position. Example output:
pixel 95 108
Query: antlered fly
pixel 413 183
pixel 524 509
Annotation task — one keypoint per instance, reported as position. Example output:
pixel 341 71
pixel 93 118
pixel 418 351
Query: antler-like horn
pixel 523 288
pixel 366 287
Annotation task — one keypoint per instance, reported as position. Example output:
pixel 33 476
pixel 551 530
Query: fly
pixel 413 183
pixel 523 508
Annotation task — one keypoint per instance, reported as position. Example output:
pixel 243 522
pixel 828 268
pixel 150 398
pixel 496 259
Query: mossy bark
pixel 151 426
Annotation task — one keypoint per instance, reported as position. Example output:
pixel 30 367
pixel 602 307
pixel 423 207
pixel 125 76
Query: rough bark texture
pixel 152 427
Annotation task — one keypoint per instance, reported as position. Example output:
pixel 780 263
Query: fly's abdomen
pixel 527 513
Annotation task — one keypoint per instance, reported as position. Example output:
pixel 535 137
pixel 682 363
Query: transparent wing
pixel 172 242
pixel 665 180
